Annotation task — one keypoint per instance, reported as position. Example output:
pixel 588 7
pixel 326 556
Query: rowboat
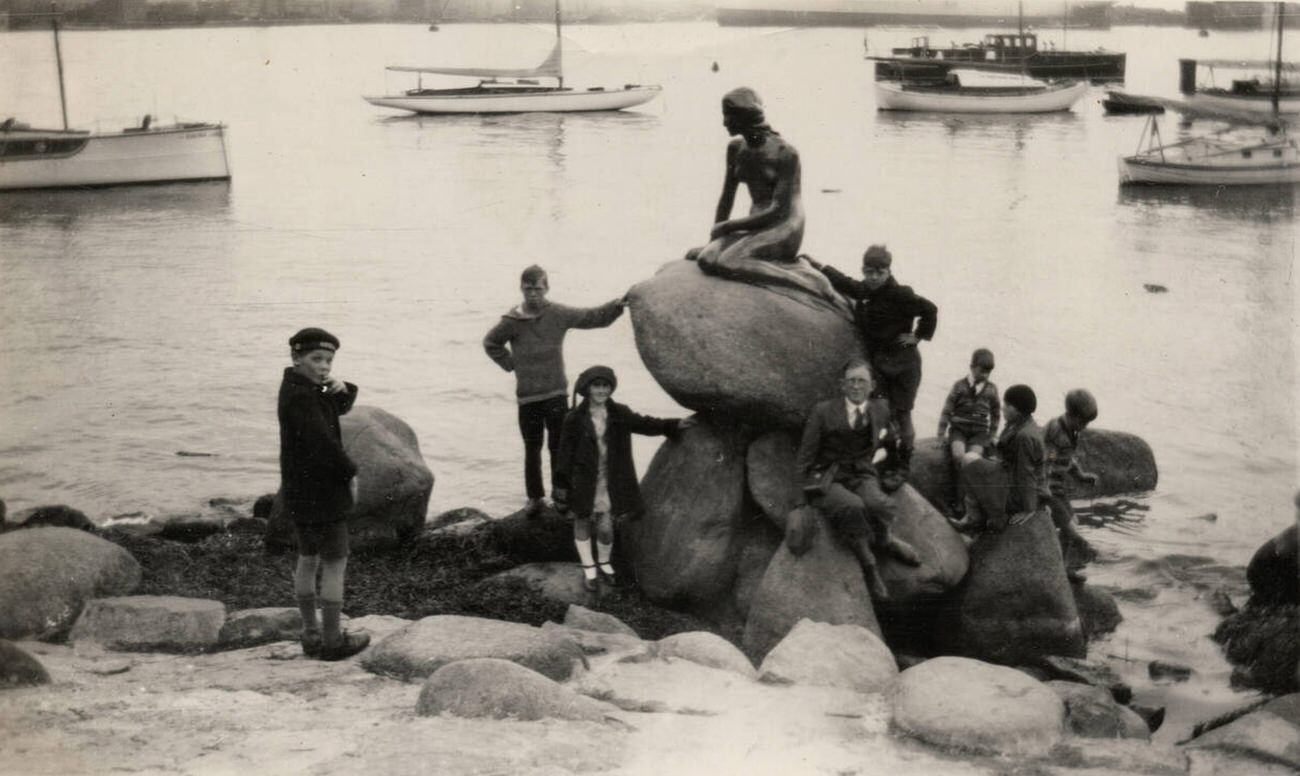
pixel 503 90
pixel 973 92
pixel 34 158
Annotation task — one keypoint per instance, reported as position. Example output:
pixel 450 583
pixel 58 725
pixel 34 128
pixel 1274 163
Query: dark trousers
pixel 859 511
pixel 538 421
pixel 1074 548
pixel 897 373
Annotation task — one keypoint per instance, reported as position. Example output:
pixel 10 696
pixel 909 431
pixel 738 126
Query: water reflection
pixel 976 124
pixel 65 208
pixel 1258 204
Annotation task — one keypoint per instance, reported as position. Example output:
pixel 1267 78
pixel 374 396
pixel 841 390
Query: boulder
pixel 1261 644
pixel 48 574
pixel 557 581
pixel 1273 574
pixel 720 346
pixel 759 542
pixel 394 483
pixel 969 706
pixel 377 625
pixel 1016 605
pixel 707 649
pixel 189 528
pixel 1123 462
pixel 825 655
pixel 499 689
pixel 600 642
pixel 250 627
pixel 1270 735
pixel 426 645
pixel 1091 712
pixel 824 584
pixel 458 515
pixel 582 618
pixel 55 516
pixel 770 475
pixel 686 547
pixel 1098 612
pixel 1160 669
pixel 151 623
pixel 19 669
pixel 1093 674
pixel 543 538
pixel 247 525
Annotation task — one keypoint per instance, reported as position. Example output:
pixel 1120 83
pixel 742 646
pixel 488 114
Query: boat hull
pixel 162 155
pixel 567 101
pixel 894 96
pixel 1095 67
pixel 1210 162
pixel 1260 104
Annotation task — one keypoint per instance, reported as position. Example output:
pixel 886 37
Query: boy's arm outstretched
pixel 652 426
pixel 595 317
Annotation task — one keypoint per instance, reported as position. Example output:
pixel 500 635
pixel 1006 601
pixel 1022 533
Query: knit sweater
pixel 972 407
pixel 532 345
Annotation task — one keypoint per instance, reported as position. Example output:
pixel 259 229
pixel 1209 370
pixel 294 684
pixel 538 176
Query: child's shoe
pixel 312 642
pixel 611 577
pixel 348 645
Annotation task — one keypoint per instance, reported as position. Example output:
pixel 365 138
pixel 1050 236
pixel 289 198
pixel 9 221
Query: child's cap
pixel 982 358
pixel 1022 398
pixel 313 339
pixel 592 374
pixel 877 256
pixel 1081 404
pixel 532 274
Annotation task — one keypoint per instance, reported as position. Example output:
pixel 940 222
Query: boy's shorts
pixel 970 436
pixel 328 540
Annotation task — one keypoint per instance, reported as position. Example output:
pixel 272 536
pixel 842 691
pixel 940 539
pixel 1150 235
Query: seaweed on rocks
pixel 1260 642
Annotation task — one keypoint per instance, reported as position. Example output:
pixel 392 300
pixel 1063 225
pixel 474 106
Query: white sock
pixel 603 553
pixel 584 557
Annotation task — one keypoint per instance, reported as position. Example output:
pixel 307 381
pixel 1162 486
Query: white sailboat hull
pixel 894 96
pixel 1203 162
pixel 162 155
pixel 1258 104
pixel 566 101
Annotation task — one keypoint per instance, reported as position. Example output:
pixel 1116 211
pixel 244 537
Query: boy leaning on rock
pixel 318 483
pixel 1062 440
pixel 529 341
pixel 892 319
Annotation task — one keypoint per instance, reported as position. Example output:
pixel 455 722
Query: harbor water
pixel 141 323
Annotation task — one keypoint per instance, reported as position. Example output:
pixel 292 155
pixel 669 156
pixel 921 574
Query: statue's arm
pixel 783 194
pixel 729 184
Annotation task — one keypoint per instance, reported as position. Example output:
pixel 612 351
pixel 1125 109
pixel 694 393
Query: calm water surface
pixel 145 321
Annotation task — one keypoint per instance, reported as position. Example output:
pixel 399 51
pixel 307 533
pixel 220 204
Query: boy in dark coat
pixel 892 320
pixel 595 476
pixel 529 341
pixel 1061 438
pixel 1016 487
pixel 836 461
pixel 318 485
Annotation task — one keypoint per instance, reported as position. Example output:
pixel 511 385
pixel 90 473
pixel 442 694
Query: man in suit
pixel 842 441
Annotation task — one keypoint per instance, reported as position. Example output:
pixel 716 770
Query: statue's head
pixel 742 109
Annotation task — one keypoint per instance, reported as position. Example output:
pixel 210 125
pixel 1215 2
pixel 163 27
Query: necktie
pixel 857 418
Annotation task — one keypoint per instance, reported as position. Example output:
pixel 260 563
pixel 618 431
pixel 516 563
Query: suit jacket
pixel 832 451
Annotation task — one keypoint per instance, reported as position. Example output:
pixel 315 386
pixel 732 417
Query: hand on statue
pixel 685 423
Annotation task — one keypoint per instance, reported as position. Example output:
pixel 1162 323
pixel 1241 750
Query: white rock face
pixel 817 653
pixel 426 645
pixel 971 706
pixel 707 649
pixel 151 622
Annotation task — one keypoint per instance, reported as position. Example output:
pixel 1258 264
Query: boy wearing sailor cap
pixel 318 485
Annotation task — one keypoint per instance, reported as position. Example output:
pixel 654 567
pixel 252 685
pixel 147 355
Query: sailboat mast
pixel 58 58
pixel 1277 65
pixel 559 42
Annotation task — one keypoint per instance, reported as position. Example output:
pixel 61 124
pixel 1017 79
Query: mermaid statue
pixel 762 247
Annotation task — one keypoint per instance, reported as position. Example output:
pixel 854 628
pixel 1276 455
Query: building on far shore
pixel 939 13
pixel 1237 15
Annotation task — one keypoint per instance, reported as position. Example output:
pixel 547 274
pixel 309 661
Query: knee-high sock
pixel 331 613
pixel 331 579
pixel 604 551
pixel 584 557
pixel 304 587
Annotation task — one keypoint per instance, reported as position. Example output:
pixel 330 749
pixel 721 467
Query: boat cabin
pixel 996 47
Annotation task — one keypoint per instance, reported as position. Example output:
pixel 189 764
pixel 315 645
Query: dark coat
pixel 830 444
pixel 579 457
pixel 314 469
pixel 886 312
pixel 1024 458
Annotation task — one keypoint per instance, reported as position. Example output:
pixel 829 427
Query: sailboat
pixel 513 90
pixel 33 158
pixel 1264 154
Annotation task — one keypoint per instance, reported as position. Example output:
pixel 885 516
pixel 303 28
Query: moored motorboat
pixel 32 158
pixel 1248 90
pixel 1123 103
pixel 998 52
pixel 968 92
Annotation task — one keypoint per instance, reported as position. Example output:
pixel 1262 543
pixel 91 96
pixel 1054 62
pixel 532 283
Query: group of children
pixel 593 477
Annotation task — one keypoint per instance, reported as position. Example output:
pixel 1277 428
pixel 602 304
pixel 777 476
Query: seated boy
pixel 1062 439
pixel 842 440
pixel 970 417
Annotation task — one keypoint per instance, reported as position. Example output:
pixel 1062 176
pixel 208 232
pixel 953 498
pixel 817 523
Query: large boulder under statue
pixel 719 346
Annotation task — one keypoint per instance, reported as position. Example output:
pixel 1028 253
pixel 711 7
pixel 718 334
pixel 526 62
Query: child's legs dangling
pixel 582 541
pixel 957 451
pixel 604 542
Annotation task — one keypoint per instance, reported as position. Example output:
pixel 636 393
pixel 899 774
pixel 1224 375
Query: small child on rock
pixel 970 418
pixel 595 475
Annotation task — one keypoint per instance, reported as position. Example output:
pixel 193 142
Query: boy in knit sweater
pixel 969 419
pixel 529 341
